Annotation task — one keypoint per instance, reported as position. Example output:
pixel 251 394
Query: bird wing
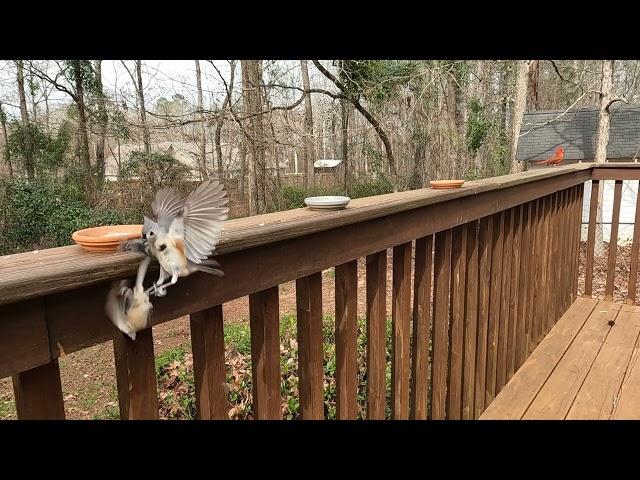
pixel 166 206
pixel 203 216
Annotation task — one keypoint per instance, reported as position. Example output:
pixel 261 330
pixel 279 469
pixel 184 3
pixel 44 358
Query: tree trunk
pixel 344 116
pixel 226 104
pixel 5 151
pixel 243 165
pixel 83 136
pixel 253 104
pixel 518 112
pixel 102 123
pixel 141 110
pixel 602 140
pixel 604 117
pixel 24 115
pixel 308 158
pixel 534 78
pixel 203 131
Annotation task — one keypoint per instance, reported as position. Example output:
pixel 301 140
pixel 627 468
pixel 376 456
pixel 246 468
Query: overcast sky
pixel 162 78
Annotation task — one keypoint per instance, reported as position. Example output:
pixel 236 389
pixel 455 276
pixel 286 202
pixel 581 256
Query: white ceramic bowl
pixel 328 202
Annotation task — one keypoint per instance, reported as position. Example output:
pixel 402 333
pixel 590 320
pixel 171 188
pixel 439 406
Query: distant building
pixel 543 131
pixel 576 132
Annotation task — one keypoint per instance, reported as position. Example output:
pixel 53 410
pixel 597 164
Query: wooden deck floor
pixel 583 369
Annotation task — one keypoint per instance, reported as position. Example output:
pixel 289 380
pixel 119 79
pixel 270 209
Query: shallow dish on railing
pixel 328 202
pixel 106 239
pixel 444 184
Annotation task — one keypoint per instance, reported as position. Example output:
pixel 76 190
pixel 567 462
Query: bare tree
pixel 226 105
pixel 253 109
pixel 203 133
pixel 24 115
pixel 102 121
pixel 78 73
pixel 384 138
pixel 604 116
pixel 534 79
pixel 5 151
pixel 307 141
pixel 602 140
pixel 522 76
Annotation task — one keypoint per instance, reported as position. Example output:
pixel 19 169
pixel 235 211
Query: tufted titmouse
pixel 129 308
pixel 185 232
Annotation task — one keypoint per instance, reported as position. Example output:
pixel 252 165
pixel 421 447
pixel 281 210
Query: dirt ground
pixel 88 376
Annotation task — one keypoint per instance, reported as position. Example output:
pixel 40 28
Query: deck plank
pixel 595 400
pixel 517 395
pixel 558 393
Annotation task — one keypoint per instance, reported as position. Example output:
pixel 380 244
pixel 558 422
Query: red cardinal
pixel 555 160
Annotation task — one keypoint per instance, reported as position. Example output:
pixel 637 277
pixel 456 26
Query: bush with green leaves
pixel 43 213
pixel 154 170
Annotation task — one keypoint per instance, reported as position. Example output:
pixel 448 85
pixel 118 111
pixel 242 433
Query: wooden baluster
pixel 310 361
pixel 136 376
pixel 376 334
pixel 497 242
pixel 346 340
pixel 207 344
pixel 524 283
pixel 513 295
pixel 503 332
pixel 591 238
pixel 38 393
pixel 485 236
pixel 264 319
pixel 635 246
pixel 421 327
pixel 470 323
pixel 401 319
pixel 441 281
pixel 613 241
pixel 456 326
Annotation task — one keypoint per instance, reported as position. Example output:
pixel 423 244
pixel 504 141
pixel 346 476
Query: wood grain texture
pixel 524 275
pixel 440 336
pixel 401 331
pixel 376 334
pixel 38 393
pixel 310 361
pixel 456 322
pixel 264 322
pixel 24 338
pixel 421 327
pixel 470 323
pixel 517 395
pixel 207 345
pixel 485 236
pixel 136 376
pixel 346 332
pixel 494 307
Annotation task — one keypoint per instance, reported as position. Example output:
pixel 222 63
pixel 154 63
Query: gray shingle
pixel 576 132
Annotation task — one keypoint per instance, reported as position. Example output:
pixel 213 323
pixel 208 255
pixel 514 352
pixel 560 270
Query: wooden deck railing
pixel 495 266
pixel 616 173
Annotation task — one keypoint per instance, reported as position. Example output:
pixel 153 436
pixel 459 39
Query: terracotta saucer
pixel 106 239
pixel 444 184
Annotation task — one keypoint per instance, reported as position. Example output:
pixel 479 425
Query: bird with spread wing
pixel 183 235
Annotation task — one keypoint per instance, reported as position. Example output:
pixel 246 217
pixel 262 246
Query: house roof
pixel 576 132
